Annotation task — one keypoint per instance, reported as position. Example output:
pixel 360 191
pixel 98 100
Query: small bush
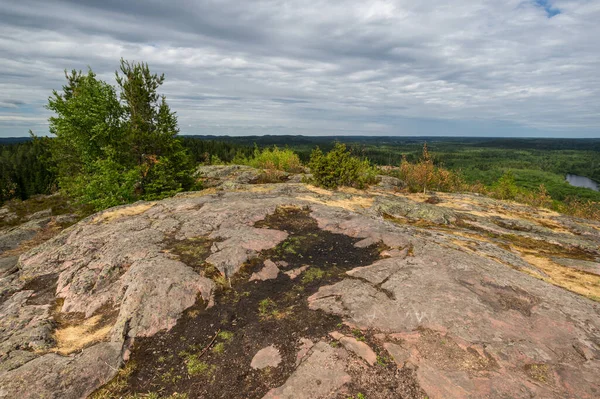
pixel 340 168
pixel 506 188
pixel 276 159
pixel 424 175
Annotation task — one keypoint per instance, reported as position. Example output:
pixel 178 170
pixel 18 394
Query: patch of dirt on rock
pixel 208 353
pixel 503 298
pixel 449 355
pixel 44 289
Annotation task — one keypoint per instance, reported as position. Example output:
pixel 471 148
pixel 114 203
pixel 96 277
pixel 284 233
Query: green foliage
pixel 506 187
pixel 275 158
pixel 267 308
pixel 109 152
pixel 26 169
pixel 226 335
pixel 340 168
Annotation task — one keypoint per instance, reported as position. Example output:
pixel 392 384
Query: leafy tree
pixel 113 149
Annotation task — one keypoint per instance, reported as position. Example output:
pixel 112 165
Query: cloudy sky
pixel 321 67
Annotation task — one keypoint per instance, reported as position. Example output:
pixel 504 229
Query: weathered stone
pixel 24 326
pixel 405 208
pixel 322 374
pixel 218 175
pixel 266 357
pixel 399 354
pixel 41 214
pixel 305 346
pixel 294 273
pixel 463 303
pixel 58 377
pixel 8 265
pixel 269 271
pixel 359 348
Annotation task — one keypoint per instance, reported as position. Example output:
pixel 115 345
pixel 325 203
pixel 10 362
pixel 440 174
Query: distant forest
pixel 26 168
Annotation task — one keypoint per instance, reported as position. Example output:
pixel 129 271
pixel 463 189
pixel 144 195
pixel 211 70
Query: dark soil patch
pixel 44 288
pixel 433 200
pixel 249 316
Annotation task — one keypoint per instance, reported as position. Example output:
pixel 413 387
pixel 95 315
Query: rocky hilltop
pixel 286 290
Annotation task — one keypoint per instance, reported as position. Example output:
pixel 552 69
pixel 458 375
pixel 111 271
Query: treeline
pixel 26 170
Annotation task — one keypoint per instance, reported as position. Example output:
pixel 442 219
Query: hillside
pixel 286 290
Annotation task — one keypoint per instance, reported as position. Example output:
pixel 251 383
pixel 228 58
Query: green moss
pixel 268 308
pixel 225 335
pixel 312 274
pixel 196 366
pixel 218 348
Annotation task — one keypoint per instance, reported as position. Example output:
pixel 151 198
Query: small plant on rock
pixel 340 168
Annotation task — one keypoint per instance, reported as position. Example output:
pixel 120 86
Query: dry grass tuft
pixel 73 338
pixel 131 210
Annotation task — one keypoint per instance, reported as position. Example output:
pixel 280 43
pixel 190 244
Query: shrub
pixel 424 175
pixel 506 187
pixel 340 168
pixel 582 208
pixel 275 159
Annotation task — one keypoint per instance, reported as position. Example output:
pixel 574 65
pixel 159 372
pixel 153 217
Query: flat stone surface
pixel 270 271
pixel 54 376
pixel 321 375
pixel 399 354
pixel 478 314
pixel 294 273
pixel 359 348
pixel 266 357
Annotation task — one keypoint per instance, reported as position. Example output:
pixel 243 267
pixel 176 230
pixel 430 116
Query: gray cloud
pixel 516 67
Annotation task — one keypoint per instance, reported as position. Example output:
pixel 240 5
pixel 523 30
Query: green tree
pixel 151 133
pixel 506 187
pixel 87 124
pixel 111 149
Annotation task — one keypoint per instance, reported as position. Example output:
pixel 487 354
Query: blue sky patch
pixel 545 4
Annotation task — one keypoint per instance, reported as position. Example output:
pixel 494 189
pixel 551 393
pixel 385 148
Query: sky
pixel 513 68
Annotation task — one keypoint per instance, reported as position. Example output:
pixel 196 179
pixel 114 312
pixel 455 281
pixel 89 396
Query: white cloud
pixel 372 67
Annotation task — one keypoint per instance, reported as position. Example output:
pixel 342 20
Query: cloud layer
pixel 512 67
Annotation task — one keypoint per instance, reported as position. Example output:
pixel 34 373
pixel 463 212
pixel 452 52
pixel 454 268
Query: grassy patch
pixel 117 387
pixel 267 308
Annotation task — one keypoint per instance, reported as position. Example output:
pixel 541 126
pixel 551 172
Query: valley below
pixel 286 290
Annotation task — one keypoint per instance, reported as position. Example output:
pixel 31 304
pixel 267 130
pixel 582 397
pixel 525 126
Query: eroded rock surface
pixel 467 297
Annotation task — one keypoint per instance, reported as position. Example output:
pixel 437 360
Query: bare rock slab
pixel 359 348
pixel 321 375
pixel 53 376
pixel 266 357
